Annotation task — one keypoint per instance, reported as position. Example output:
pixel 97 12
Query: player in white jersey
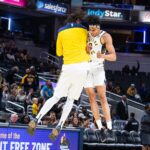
pixel 96 79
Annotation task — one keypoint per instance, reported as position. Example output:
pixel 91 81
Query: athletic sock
pixel 109 125
pixel 99 124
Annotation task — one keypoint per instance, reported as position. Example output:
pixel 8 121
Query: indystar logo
pixel 105 13
pixel 55 8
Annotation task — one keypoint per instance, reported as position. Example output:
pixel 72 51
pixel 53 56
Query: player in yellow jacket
pixel 71 44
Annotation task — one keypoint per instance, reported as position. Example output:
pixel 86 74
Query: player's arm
pixel 88 46
pixel 59 49
pixel 111 55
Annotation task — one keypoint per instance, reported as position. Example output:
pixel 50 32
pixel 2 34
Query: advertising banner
pixel 21 3
pixel 144 16
pixel 52 7
pixel 108 14
pixel 16 138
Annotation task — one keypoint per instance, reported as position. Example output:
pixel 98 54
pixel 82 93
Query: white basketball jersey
pixel 96 47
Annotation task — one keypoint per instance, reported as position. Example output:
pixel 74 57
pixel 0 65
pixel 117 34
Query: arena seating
pixel 120 139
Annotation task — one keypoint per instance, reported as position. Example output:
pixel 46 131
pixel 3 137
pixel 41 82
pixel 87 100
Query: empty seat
pixel 98 134
pixel 110 138
pixel 101 136
pixel 142 76
pixel 85 136
pixel 92 138
pixel 118 136
pixel 119 124
pixel 106 136
pixel 125 82
pixel 109 72
pixel 117 72
pixel 117 76
pixel 148 75
pixel 109 75
pixel 127 139
pixel 136 137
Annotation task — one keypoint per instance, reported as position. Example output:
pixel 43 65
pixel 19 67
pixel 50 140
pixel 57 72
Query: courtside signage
pixel 21 3
pixel 53 7
pixel 109 14
pixel 16 138
pixel 144 16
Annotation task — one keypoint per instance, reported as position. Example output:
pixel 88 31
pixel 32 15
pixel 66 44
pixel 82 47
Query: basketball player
pixel 71 44
pixel 96 78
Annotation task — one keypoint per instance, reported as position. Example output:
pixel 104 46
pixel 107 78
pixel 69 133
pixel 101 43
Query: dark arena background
pixel 28 32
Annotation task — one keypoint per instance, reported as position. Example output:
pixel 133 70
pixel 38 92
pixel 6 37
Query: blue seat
pixel 118 136
pixel 85 136
pixel 136 137
pixel 92 138
pixel 119 124
pixel 127 139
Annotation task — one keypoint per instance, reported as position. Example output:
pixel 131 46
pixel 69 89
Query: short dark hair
pixel 132 114
pixel 93 20
pixel 77 14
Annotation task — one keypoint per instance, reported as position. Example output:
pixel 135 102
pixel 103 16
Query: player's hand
pixel 88 48
pixel 99 55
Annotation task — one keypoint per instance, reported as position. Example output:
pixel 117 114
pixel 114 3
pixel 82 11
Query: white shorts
pixel 96 76
pixel 72 80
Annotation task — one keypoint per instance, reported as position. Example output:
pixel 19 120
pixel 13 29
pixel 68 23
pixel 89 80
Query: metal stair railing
pixel 50 58
pixel 29 110
pixel 133 103
pixel 47 76
pixel 43 74
pixel 14 105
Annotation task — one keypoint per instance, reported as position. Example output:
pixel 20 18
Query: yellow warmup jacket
pixel 71 43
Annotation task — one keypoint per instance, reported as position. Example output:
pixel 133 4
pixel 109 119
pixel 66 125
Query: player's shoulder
pixel 63 28
pixel 106 35
pixel 71 25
